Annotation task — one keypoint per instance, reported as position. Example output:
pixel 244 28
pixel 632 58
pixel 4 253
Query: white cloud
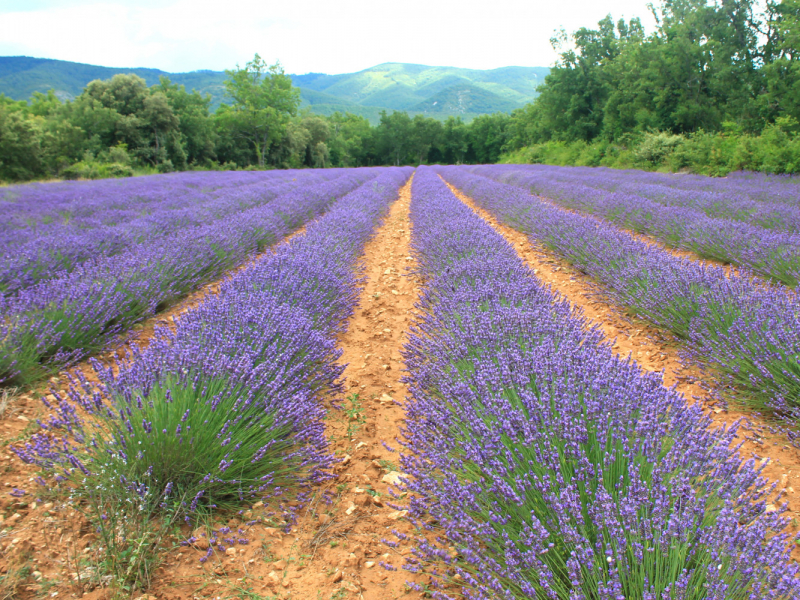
pixel 310 35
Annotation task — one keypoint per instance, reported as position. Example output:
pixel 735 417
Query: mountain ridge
pixel 438 92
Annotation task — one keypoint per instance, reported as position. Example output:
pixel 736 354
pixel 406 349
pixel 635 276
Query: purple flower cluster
pixel 227 406
pixel 762 237
pixel 553 468
pixel 46 229
pixel 745 330
pixel 761 199
pixel 76 312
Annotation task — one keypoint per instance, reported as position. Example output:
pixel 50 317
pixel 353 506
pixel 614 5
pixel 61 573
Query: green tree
pixel 393 138
pixel 316 152
pixel 20 145
pixel 123 110
pixel 453 145
pixel 573 97
pixel 293 148
pixel 62 143
pixel 320 155
pixel 702 67
pixel 351 141
pixel 164 145
pixel 487 137
pixel 698 70
pixel 197 133
pixel 425 134
pixel 44 105
pixel 263 103
pixel 781 97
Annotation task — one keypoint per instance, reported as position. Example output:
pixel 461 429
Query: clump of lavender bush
pixel 74 313
pixel 555 469
pixel 742 329
pixel 227 407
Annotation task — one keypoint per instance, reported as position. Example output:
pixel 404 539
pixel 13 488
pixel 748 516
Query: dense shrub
pixel 776 150
pixel 95 170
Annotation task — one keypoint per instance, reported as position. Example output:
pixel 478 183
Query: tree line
pixel 120 126
pixel 715 82
pixel 715 87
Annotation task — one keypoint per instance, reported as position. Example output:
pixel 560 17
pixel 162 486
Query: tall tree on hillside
pixel 263 102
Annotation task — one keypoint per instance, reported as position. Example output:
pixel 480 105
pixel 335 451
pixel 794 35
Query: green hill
pixel 415 88
pixel 20 76
pixel 462 99
pixel 436 91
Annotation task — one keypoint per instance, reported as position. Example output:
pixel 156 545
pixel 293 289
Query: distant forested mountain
pixel 418 89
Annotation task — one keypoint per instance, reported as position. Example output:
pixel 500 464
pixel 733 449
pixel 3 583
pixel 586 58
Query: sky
pixel 323 36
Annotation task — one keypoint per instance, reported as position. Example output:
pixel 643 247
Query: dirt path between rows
pixel 653 350
pixel 336 549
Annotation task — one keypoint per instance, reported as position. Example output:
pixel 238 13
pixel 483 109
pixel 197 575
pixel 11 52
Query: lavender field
pixel 743 327
pixel 83 262
pixel 748 221
pixel 531 458
pixel 557 469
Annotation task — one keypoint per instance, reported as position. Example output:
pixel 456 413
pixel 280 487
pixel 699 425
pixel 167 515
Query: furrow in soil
pixel 655 350
pixel 336 548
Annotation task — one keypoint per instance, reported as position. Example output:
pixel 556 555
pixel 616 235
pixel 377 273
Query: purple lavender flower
pixel 742 329
pixel 554 468
pixel 245 371
pixel 70 313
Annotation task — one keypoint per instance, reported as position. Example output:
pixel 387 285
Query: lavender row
pixel 228 406
pixel 34 207
pixel 761 187
pixel 771 254
pixel 746 331
pixel 764 188
pixel 766 201
pixel 48 233
pixel 551 467
pixel 61 320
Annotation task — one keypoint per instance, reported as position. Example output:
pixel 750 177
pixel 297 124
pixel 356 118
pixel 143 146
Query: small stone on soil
pixel 393 478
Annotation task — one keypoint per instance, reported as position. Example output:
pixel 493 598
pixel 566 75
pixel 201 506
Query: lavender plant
pixel 226 408
pixel 60 320
pixel 554 468
pixel 742 329
pixel 723 227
